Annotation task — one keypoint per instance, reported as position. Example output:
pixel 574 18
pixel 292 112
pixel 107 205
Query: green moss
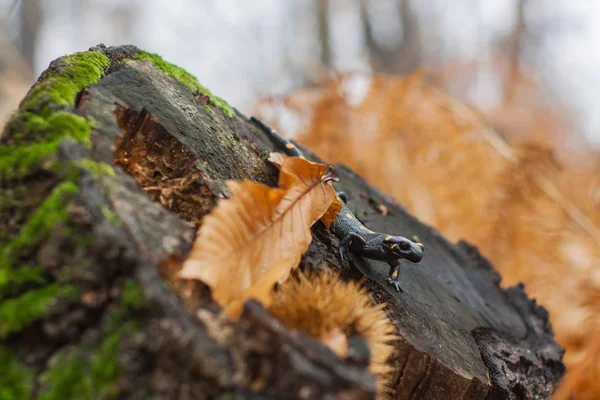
pixel 49 213
pixel 84 239
pixel 57 124
pixel 16 379
pixel 90 371
pixel 77 374
pixel 18 160
pixel 13 279
pixel 52 211
pixel 80 70
pixel 44 120
pixel 96 168
pixel 104 365
pixel 110 215
pixel 19 312
pixel 66 378
pixel 133 295
pixel 264 154
pixel 187 79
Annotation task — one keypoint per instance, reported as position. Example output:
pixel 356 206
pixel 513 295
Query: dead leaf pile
pixel 252 241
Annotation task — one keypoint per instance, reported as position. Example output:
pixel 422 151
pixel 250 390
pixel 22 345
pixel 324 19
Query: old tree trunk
pixel 110 162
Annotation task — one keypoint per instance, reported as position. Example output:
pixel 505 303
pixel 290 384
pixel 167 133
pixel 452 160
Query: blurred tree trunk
pixel 324 36
pixel 514 45
pixel 31 19
pixel 406 55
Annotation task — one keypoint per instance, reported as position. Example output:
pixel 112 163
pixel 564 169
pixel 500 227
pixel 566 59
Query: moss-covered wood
pixel 110 162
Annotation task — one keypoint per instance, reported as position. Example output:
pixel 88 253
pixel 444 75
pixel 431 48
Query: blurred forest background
pixel 479 116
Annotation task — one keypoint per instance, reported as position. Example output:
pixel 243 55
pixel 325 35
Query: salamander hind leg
pixel 347 242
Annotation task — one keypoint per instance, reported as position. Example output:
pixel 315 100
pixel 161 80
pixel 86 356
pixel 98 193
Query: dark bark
pixel 463 336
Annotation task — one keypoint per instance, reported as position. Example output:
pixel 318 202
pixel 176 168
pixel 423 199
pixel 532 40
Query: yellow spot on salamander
pixel 289 146
pixel 395 274
pixel 349 216
pixel 350 243
pixel 363 228
pixel 394 245
pixel 399 255
pixel 387 238
pixel 363 239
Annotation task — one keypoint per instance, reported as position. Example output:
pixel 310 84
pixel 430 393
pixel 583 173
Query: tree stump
pixel 108 166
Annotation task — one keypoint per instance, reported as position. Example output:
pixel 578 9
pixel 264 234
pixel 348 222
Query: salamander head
pixel 404 248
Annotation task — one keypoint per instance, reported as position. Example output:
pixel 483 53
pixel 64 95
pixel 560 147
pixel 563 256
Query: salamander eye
pixel 404 245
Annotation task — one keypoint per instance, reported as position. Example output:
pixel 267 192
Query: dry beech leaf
pixel 331 214
pixel 254 239
pixel 336 206
pixel 277 159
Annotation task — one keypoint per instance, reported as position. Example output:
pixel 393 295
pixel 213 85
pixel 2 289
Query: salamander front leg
pixel 394 274
pixel 346 243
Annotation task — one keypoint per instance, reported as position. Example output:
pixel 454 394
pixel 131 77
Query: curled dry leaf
pixel 336 206
pixel 254 239
pixel 331 214
pixel 277 159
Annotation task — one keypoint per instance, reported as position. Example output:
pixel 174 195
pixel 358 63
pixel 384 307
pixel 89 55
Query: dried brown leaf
pixel 336 206
pixel 331 214
pixel 253 240
pixel 277 159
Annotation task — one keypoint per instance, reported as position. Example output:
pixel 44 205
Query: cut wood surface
pixel 93 222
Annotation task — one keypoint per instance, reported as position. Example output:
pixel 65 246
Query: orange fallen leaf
pixel 336 206
pixel 331 214
pixel 254 239
pixel 277 159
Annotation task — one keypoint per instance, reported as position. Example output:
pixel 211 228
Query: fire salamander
pixel 353 235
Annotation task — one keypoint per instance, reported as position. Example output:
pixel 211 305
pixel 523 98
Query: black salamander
pixel 354 236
